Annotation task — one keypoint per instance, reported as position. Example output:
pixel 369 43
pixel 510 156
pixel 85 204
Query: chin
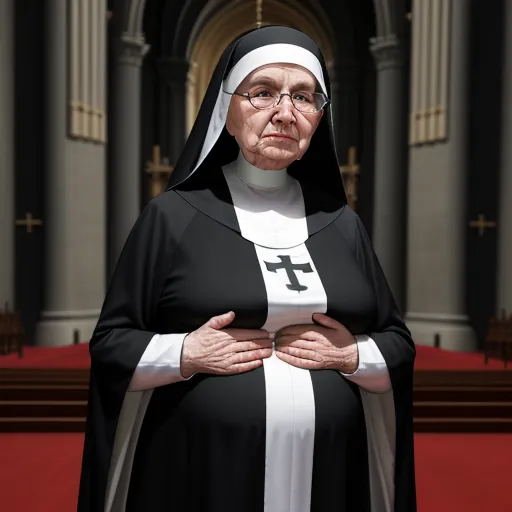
pixel 279 154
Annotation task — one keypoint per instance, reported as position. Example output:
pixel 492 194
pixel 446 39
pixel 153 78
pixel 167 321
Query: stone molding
pixel 387 52
pixel 131 50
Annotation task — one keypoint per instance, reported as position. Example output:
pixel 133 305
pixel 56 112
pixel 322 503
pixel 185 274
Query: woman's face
pixel 273 138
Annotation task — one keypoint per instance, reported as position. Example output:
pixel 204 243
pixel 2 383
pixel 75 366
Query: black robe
pixel 201 445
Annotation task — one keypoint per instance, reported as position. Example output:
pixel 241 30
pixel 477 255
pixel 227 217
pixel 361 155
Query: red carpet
pixel 455 473
pixel 77 356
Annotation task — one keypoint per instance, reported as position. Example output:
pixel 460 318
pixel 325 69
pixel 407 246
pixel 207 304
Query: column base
pixel 454 331
pixel 57 328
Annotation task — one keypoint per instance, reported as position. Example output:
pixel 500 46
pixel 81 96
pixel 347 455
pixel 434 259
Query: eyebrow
pixel 265 80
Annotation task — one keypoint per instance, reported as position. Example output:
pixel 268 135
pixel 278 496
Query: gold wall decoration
pixel 232 21
pixel 481 224
pixel 29 222
pixel 87 69
pixel 259 13
pixel 350 173
pixel 429 71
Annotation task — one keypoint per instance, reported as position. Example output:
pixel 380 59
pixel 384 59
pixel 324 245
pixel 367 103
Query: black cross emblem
pixel 290 268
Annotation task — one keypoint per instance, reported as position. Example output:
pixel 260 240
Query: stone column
pixel 74 220
pixel 125 171
pixel 437 216
pixel 6 153
pixel 390 169
pixel 173 106
pixel 504 277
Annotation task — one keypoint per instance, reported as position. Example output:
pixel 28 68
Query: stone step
pixel 462 410
pixel 43 392
pixel 42 425
pixel 421 425
pixel 463 394
pixel 421 394
pixel 43 408
pixel 472 425
pixel 56 401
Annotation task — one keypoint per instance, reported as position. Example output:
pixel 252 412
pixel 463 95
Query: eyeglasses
pixel 307 102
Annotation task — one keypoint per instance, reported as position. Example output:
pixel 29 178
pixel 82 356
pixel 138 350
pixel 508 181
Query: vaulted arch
pixel 387 16
pixel 196 15
pixel 128 17
pixel 223 21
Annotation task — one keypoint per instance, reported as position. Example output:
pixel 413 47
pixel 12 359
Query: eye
pixel 302 97
pixel 263 93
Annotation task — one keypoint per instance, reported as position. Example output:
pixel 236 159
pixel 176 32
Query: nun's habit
pixel 274 247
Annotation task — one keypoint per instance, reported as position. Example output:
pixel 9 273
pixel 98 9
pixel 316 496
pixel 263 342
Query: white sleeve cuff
pixel 372 373
pixel 160 363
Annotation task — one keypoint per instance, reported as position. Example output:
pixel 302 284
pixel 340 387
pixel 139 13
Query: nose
pixel 285 111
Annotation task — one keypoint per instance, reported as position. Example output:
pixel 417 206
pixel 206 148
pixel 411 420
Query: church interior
pixel 97 98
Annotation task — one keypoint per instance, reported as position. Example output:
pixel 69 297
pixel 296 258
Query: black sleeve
pixel 390 333
pixel 124 330
pixel 127 318
pixel 397 347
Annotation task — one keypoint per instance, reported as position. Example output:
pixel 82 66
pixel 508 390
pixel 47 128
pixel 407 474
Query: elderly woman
pixel 249 356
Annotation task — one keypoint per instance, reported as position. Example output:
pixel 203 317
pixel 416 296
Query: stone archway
pixel 226 24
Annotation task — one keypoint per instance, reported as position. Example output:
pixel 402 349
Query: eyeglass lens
pixel 303 101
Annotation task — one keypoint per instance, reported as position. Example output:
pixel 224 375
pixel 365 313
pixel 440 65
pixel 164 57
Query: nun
pixel 249 356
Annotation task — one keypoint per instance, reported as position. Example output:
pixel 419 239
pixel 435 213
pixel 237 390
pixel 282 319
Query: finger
pixel 306 337
pixel 243 346
pixel 244 367
pixel 288 341
pixel 327 321
pixel 313 336
pixel 305 344
pixel 247 334
pixel 230 347
pixel 250 355
pixel 285 340
pixel 293 330
pixel 218 322
pixel 300 353
pixel 298 362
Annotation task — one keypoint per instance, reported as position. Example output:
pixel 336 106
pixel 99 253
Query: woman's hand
pixel 329 346
pixel 213 349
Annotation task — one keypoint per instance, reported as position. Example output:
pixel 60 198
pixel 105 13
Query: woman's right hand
pixel 213 349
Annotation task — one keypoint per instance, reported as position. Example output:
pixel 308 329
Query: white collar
pixel 259 178
pixel 268 204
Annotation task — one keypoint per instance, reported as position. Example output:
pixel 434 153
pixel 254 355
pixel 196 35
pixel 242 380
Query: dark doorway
pixel 29 158
pixel 485 61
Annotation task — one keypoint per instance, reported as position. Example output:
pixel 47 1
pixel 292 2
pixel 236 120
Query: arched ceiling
pixel 130 13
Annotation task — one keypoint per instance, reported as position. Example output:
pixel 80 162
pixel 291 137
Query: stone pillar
pixel 74 220
pixel 437 216
pixel 390 169
pixel 6 153
pixel 504 277
pixel 125 171
pixel 173 106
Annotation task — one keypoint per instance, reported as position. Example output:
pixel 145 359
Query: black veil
pixel 319 166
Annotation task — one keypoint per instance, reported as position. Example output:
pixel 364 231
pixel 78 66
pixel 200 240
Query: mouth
pixel 279 136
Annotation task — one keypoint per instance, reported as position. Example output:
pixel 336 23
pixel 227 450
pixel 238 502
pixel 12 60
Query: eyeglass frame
pixel 246 95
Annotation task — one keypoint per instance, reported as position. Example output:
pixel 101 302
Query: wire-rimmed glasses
pixel 306 102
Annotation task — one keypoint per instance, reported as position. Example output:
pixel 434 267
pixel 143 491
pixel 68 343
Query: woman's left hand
pixel 328 346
